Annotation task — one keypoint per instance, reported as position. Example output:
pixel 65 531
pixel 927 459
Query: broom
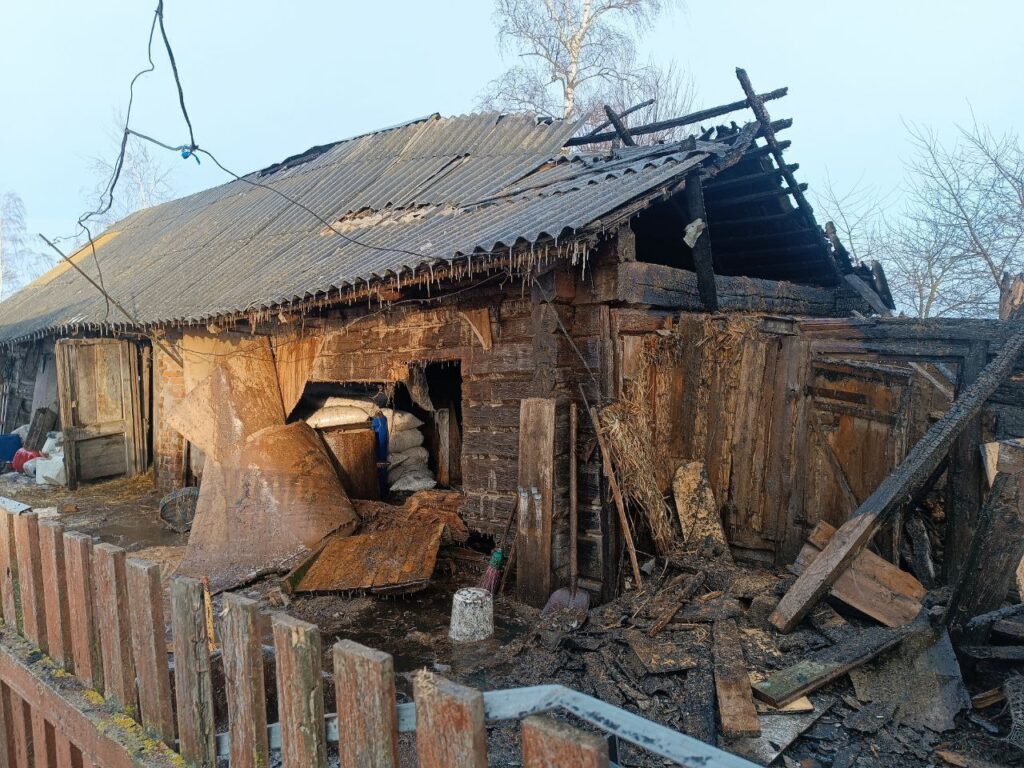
pixel 493 572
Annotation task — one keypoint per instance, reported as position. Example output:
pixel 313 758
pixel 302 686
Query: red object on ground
pixel 21 456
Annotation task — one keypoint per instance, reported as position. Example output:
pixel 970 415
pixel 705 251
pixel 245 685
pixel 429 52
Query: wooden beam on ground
pixel 300 693
pixel 702 257
pixel 894 491
pixel 736 709
pixel 244 679
pixel 193 685
pixel 990 565
pixel 364 683
pixel 548 743
pixel 823 667
pixel 449 723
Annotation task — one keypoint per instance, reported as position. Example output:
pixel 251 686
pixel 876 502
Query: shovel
pixel 571 598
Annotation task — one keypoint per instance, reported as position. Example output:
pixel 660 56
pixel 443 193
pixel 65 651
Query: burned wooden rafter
pixel 620 127
pixel 623 113
pixel 677 122
pixel 760 197
pixel 702 257
pixel 720 185
pixel 765 150
pixel 741 241
pixel 758 220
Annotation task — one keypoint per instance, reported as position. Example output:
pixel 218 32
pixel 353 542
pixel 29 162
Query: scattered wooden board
pixel 871 584
pixel 395 560
pixel 659 657
pixel 825 666
pixel 1009 628
pixel 778 732
pixel 732 683
pixel 988 698
pixel 995 652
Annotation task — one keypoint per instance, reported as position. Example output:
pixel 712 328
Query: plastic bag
pixel 51 471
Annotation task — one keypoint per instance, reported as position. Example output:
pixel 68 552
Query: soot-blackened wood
pixel 9 571
pixel 992 560
pixel 300 693
pixel 55 593
pixel 449 723
pixel 894 491
pixel 620 127
pixel 736 710
pixel 149 648
pixel 698 711
pixel 364 682
pixel 965 475
pixel 548 743
pixel 30 578
pixel 245 682
pixel 193 688
pixel 115 631
pixel 702 258
pixel 87 661
pixel 536 470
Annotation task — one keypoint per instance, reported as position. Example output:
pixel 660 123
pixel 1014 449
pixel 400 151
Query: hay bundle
pixel 628 436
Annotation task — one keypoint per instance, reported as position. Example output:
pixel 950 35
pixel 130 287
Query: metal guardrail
pixel 518 703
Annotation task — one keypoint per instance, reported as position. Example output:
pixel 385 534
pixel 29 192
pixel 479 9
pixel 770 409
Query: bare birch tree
pixel 578 55
pixel 20 264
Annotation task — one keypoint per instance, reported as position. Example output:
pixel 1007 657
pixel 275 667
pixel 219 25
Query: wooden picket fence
pixel 85 678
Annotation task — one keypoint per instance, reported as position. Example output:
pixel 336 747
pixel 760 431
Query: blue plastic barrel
pixel 8 445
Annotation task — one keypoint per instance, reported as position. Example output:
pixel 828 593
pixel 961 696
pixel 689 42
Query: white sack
pixel 337 416
pixel 419 453
pixel 404 439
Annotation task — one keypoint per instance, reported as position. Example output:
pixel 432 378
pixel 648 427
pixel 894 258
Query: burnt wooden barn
pixel 513 266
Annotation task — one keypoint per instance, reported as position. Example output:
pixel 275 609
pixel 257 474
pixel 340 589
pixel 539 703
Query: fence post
pixel 8 571
pixel 548 743
pixel 364 684
pixel 30 578
pixel 245 682
pixel 85 646
pixel 55 595
pixel 42 740
pixel 193 686
pixel 149 648
pixel 300 693
pixel 115 635
pixel 449 723
pixel 62 749
pixel 19 729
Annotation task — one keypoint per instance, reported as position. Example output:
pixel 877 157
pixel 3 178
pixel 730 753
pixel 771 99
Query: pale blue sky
pixel 264 80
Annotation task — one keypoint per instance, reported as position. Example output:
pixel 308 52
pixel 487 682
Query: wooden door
pixel 99 390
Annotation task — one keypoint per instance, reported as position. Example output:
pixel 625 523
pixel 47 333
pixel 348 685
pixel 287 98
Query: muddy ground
pixel 596 658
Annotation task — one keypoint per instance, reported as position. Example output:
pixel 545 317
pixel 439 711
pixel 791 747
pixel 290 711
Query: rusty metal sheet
pixel 392 560
pixel 262 508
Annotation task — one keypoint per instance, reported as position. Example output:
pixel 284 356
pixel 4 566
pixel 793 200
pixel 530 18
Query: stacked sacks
pixel 408 469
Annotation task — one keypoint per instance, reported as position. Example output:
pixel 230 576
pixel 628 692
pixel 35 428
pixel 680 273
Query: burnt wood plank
pixel 536 470
pixel 702 259
pixel 736 709
pixel 894 491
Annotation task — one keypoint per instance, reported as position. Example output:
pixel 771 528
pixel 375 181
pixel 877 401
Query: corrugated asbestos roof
pixel 427 192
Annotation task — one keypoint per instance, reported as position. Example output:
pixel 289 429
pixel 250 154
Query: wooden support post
pixel 991 562
pixel 549 743
pixel 915 470
pixel 30 579
pixel 449 723
pixel 300 693
pixel 364 683
pixel 149 648
pixel 244 678
pixel 9 571
pixel 965 476
pixel 702 259
pixel 732 683
pixel 115 632
pixel 536 470
pixel 55 593
pixel 193 687
pixel 87 661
